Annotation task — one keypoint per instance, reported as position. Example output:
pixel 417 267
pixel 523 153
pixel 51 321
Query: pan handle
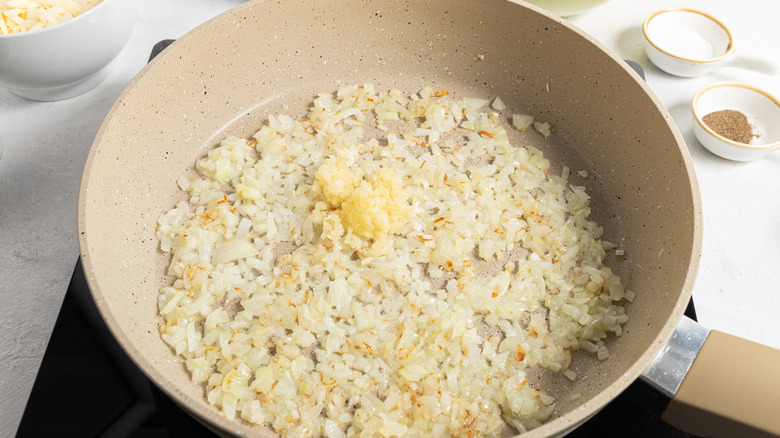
pixel 719 385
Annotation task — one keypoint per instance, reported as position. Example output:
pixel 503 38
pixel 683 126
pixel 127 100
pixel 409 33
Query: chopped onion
pixel 331 284
pixel 498 104
pixel 542 128
pixel 230 250
pixel 521 121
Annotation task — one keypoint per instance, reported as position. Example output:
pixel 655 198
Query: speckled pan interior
pixel 267 57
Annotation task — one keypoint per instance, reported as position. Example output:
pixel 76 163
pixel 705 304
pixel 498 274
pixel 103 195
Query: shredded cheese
pixel 26 15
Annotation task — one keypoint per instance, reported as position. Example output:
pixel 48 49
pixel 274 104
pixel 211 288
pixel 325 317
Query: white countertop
pixel 46 145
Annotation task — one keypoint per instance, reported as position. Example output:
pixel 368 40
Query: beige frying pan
pixel 262 58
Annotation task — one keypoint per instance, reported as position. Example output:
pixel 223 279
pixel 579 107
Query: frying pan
pixel 269 57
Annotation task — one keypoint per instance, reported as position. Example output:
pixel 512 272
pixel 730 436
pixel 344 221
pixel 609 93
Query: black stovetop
pixel 87 387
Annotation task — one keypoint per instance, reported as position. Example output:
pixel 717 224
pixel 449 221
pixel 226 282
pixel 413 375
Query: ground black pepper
pixel 731 124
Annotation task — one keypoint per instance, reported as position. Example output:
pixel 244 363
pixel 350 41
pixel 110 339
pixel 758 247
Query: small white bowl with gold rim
pixel 736 121
pixel 687 42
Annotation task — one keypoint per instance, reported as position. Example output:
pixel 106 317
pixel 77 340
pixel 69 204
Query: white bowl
pixel 686 42
pixel 762 111
pixel 68 58
pixel 566 8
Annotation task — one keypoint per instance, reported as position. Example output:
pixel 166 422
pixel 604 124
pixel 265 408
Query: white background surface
pixel 46 144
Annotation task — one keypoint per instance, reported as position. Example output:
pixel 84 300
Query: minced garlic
pixel 372 208
pixel 377 208
pixel 336 179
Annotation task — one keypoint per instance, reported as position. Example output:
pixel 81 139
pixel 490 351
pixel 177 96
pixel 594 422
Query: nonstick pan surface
pixel 268 57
